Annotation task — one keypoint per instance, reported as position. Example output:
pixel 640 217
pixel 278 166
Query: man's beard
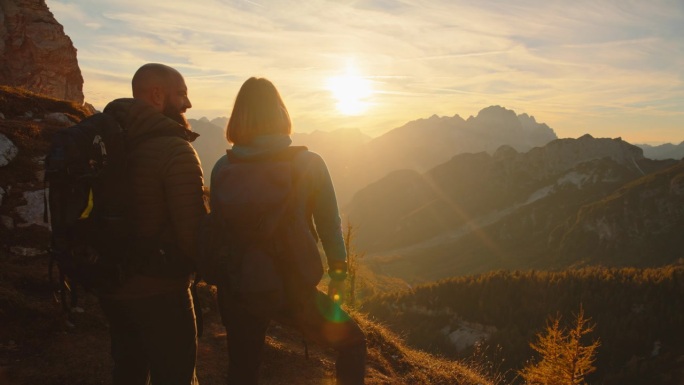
pixel 172 112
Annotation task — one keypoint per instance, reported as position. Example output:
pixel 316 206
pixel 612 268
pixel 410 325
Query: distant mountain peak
pixel 496 111
pixel 221 122
pixel 505 152
pixel 663 151
pixel 565 153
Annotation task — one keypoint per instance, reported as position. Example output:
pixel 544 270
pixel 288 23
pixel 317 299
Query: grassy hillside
pixel 638 315
pixel 37 345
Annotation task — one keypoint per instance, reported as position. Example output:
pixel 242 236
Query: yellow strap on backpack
pixel 86 213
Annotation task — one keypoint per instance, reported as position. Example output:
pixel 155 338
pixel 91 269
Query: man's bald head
pixel 153 75
pixel 163 88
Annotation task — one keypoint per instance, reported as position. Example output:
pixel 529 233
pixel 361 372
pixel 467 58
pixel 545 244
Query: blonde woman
pixel 276 265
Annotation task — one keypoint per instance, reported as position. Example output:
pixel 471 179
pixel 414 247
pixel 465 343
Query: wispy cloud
pixel 578 66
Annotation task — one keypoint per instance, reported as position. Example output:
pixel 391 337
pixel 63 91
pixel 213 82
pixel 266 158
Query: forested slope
pixel 638 315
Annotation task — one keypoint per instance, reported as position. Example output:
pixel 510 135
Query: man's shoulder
pixel 170 143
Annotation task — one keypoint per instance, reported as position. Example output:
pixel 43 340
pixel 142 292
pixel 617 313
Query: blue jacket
pixel 314 188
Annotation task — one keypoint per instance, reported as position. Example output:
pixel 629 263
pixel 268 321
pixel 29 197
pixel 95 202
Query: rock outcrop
pixel 32 212
pixel 30 122
pixel 36 53
pixel 7 150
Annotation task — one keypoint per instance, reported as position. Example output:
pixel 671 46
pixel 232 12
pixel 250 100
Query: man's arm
pixel 183 186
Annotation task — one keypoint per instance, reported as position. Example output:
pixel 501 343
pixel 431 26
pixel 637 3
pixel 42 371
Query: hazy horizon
pixel 211 120
pixel 608 69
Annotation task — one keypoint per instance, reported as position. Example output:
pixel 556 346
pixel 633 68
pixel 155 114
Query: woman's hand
pixel 336 290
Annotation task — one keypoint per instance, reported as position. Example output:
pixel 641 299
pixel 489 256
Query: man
pixel 151 316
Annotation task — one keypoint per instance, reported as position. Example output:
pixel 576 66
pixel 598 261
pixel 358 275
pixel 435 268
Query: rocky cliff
pixel 36 53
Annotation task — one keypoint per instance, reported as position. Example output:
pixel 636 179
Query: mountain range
pixel 355 159
pixel 212 143
pixel 572 202
pixel 663 151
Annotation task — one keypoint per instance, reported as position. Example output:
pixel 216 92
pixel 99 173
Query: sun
pixel 351 92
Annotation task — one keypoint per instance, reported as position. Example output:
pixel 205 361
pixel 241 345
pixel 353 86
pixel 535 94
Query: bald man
pixel 151 317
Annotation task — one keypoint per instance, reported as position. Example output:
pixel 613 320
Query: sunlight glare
pixel 351 91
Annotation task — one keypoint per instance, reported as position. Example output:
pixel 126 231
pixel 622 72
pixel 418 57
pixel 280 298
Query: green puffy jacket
pixel 167 185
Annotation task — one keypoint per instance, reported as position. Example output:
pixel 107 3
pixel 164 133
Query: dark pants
pixel 154 340
pixel 313 313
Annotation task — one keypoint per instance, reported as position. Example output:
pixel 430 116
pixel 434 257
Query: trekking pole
pixel 306 348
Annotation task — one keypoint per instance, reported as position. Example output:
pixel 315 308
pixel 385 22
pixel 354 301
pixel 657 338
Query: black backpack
pixel 88 203
pixel 254 236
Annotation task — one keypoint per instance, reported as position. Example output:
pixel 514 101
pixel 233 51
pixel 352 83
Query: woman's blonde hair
pixel 258 110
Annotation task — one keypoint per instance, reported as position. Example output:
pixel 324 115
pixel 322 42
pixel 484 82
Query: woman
pixel 282 285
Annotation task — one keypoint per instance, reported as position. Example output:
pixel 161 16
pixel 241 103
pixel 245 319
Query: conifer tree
pixel 352 262
pixel 565 360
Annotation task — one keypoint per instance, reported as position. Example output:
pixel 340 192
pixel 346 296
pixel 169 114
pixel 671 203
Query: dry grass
pixel 400 364
pixel 37 347
pixel 17 102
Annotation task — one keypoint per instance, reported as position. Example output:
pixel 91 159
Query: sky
pixel 610 68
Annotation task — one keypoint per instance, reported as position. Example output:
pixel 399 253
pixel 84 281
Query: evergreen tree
pixel 565 360
pixel 352 263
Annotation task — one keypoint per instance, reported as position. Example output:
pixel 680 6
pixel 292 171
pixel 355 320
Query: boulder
pixel 8 151
pixel 466 336
pixel 33 212
pixel 7 222
pixel 26 251
pixel 58 118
